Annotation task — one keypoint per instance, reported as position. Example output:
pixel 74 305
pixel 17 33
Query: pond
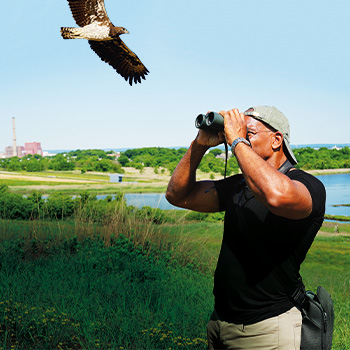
pixel 337 188
pixel 338 193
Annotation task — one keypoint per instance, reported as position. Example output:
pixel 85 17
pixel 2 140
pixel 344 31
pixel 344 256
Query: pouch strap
pixel 285 167
pixel 299 295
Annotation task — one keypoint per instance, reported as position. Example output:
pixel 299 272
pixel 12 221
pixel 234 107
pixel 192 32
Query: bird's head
pixel 116 31
pixel 124 31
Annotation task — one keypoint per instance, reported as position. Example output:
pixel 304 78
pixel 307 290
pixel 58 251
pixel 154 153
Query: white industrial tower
pixel 14 147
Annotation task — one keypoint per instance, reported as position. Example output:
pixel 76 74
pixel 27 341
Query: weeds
pixel 130 280
pixel 89 296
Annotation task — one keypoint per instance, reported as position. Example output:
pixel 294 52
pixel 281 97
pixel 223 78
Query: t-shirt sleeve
pixel 315 188
pixel 225 189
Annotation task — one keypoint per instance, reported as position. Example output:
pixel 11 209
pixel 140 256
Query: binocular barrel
pixel 211 121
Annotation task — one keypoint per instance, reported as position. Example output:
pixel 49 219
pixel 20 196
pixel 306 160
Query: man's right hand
pixel 183 189
pixel 209 139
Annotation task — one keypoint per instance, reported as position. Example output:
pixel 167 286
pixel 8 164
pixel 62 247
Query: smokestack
pixel 14 147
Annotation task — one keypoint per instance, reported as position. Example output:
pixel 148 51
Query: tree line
pixel 84 160
pixel 322 158
pixel 164 159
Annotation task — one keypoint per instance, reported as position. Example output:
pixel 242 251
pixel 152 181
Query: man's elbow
pixel 286 206
pixel 171 197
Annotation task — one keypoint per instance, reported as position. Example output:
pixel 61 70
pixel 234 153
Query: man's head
pixel 275 119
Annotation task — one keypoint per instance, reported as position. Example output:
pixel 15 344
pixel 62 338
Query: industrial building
pixel 20 151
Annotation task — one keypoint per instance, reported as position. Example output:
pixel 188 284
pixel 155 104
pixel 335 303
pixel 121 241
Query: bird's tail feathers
pixel 70 33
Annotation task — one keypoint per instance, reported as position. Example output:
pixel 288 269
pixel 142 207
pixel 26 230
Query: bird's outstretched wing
pixel 121 58
pixel 87 11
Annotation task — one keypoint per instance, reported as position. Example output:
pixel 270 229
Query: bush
pixel 209 217
pixel 154 215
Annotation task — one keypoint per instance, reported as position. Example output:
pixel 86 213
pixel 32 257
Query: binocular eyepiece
pixel 211 121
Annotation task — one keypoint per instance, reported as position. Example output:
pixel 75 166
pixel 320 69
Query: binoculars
pixel 211 121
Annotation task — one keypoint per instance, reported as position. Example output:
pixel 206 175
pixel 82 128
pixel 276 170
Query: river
pixel 337 188
pixel 338 192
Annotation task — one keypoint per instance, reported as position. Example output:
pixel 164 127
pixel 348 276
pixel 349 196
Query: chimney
pixel 14 147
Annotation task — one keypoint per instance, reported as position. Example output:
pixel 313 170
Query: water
pixel 338 192
pixel 154 200
pixel 337 188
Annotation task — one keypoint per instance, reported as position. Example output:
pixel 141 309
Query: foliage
pixel 155 215
pixel 87 160
pixel 209 217
pixel 308 158
pixel 89 296
pixel 65 291
pixel 327 264
pixel 323 158
pixel 62 206
pixel 153 157
pixel 168 158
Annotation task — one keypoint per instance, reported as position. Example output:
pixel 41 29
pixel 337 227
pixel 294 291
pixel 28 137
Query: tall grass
pixel 112 297
pixel 128 281
pixel 327 264
pixel 117 283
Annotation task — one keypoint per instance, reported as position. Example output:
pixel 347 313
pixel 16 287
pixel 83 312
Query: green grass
pixel 96 183
pixel 75 284
pixel 327 264
pixel 337 217
pixel 76 189
pixel 61 291
pixel 25 183
pixel 65 174
pixel 336 227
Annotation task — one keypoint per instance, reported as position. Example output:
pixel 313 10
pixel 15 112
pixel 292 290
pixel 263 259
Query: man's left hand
pixel 235 125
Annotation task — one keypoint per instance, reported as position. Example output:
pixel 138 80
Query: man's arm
pixel 283 196
pixel 183 189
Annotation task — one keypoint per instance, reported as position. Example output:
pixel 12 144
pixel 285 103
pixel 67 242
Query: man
pixel 272 214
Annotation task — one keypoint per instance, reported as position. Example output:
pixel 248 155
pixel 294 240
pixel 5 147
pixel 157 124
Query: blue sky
pixel 202 55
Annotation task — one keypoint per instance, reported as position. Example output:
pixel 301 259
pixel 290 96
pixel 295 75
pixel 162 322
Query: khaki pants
pixel 277 333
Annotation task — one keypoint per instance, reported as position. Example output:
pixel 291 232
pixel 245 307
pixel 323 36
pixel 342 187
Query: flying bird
pixel 95 26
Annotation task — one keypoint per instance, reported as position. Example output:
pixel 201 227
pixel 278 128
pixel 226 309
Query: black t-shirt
pixel 255 242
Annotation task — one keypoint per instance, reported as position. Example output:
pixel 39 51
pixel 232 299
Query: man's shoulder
pixel 298 174
pixel 312 183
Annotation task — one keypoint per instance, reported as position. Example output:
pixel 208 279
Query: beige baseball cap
pixel 276 119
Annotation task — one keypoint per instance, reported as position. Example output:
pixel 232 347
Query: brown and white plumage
pixel 103 37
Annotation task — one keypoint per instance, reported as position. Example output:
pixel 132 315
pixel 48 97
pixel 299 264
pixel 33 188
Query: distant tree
pixel 216 151
pixel 123 160
pixel 171 167
pixel 103 165
pixel 117 168
pixel 34 165
pixel 61 163
pixel 14 164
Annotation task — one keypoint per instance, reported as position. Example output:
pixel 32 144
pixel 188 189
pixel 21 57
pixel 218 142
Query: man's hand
pixel 209 139
pixel 235 125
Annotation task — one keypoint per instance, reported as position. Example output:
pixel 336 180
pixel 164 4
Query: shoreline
pixel 134 181
pixel 319 172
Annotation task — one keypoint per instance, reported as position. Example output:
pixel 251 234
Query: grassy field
pixel 73 182
pixel 131 285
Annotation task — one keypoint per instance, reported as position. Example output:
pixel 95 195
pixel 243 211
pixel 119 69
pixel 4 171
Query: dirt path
pixel 42 178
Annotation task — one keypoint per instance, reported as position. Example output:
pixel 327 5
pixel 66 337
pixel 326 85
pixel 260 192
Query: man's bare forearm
pixel 183 179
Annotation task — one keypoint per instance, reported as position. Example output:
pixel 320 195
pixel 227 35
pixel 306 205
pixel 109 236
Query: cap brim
pixel 291 155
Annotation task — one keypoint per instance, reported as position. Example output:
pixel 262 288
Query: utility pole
pixel 14 147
